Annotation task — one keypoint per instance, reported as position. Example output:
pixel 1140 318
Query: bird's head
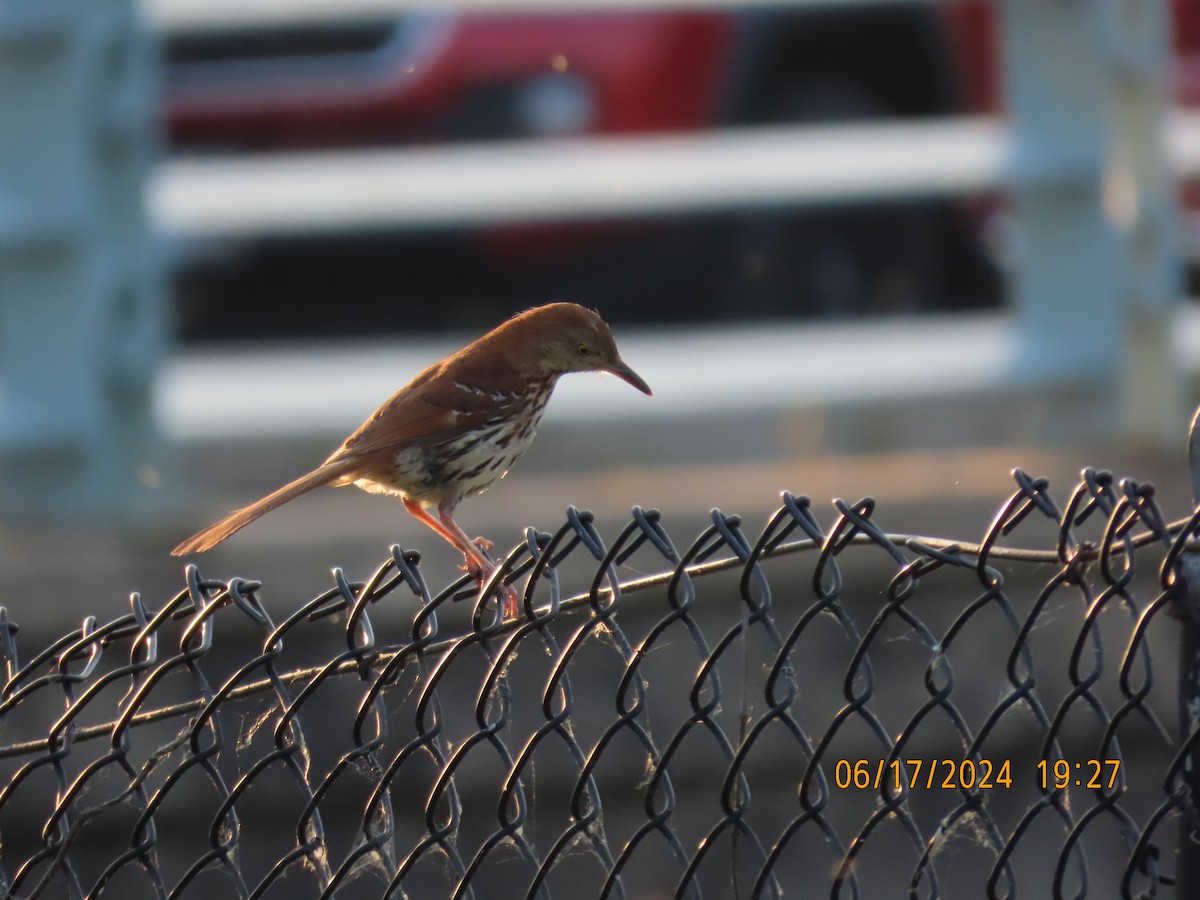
pixel 571 338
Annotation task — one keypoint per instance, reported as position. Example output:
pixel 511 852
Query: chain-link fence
pixel 808 710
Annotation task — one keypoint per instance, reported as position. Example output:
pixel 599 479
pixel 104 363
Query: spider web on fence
pixel 805 710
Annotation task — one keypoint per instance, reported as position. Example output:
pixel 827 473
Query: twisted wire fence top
pixel 805 710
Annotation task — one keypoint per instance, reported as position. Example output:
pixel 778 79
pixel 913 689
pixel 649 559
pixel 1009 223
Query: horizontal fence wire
pixel 804 711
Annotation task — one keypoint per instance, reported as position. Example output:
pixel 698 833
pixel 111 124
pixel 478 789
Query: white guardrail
pixel 586 178
pixel 1087 156
pixel 511 181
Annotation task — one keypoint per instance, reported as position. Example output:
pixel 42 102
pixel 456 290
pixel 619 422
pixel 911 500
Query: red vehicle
pixel 440 76
pixel 445 77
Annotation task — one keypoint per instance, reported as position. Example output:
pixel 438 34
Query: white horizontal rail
pixel 182 15
pixel 525 181
pixel 263 391
pixel 269 391
pixel 528 181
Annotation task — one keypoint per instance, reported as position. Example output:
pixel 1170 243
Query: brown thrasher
pixel 457 427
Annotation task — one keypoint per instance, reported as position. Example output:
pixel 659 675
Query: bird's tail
pixel 239 519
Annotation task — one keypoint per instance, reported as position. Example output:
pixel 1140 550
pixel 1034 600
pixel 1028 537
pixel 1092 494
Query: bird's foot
pixel 512 602
pixel 474 565
pixel 481 567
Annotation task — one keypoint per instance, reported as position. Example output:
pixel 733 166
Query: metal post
pixel 1099 276
pixel 82 317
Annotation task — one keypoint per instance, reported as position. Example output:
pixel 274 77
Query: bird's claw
pixel 512 603
pixel 470 564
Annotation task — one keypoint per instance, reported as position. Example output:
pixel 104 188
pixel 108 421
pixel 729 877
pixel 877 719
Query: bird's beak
pixel 627 374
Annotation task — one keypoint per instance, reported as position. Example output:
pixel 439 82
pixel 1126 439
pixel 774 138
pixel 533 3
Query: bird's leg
pixel 511 602
pixel 476 561
pixel 475 551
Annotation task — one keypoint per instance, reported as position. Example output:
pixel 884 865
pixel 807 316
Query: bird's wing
pixel 424 413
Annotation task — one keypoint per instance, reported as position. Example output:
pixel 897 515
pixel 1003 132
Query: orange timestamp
pixel 968 774
pixel 931 774
pixel 1093 774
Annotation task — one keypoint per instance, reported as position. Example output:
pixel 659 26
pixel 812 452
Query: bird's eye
pixel 583 349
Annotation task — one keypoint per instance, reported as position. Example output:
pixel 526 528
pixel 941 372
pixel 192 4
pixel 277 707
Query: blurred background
pixel 886 247
pixel 455 78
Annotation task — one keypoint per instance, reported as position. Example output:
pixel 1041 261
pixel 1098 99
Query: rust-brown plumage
pixel 457 427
